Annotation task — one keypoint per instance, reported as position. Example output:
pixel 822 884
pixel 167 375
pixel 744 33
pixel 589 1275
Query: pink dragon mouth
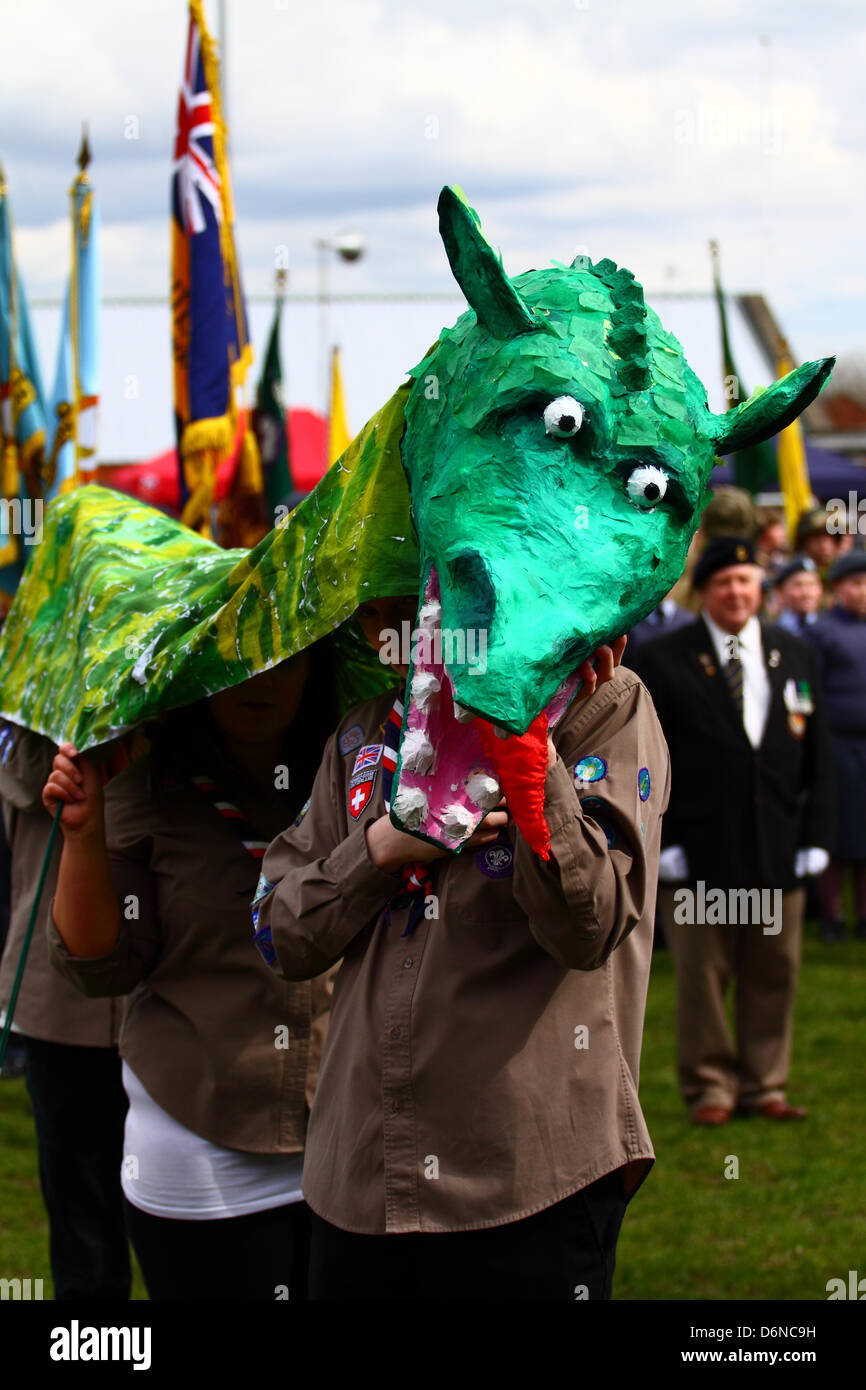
pixel 454 765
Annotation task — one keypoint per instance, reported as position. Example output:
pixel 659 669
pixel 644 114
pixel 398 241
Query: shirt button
pixel 408 963
pixel 395 1034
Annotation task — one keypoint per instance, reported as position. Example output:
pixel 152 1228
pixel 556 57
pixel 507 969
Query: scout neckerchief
pixel 417 881
pixel 241 830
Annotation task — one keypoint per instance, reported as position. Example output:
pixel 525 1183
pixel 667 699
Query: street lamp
pixel 349 246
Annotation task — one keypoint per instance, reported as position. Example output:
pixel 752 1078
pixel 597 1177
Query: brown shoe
pixel 781 1110
pixel 710 1115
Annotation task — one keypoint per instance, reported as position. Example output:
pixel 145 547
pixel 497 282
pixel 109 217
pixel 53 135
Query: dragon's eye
pixel 563 417
pixel 647 485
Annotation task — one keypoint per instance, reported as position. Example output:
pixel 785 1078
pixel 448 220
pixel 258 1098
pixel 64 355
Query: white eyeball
pixel 563 417
pixel 647 485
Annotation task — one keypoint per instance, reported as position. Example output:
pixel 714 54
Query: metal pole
pixel 222 30
pixel 323 297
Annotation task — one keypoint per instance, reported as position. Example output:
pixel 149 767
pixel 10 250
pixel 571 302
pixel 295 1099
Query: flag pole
pixel 28 935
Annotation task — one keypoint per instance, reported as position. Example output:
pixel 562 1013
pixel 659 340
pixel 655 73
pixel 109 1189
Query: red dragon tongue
pixel 521 769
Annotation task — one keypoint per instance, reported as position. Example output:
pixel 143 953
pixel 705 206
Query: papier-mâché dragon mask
pixel 557 449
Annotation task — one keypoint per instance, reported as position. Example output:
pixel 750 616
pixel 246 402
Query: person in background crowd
pixel 666 618
pixel 219 1055
pixel 750 809
pixel 771 541
pixel 71 1061
pixel 463 1144
pixel 813 539
pixel 839 640
pixel 799 593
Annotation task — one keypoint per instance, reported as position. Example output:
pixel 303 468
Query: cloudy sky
pixel 635 131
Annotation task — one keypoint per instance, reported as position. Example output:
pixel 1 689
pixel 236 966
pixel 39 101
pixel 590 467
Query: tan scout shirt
pixel 48 1007
pixel 486 1066
pixel 206 1018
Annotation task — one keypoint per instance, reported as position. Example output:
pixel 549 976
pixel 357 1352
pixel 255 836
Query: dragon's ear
pixel 764 414
pixel 478 270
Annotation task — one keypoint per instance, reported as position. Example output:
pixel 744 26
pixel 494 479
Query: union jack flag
pixel 368 756
pixel 211 339
pixel 193 147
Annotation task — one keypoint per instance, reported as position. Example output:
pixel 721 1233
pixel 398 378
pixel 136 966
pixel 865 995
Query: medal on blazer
pixel 707 662
pixel 798 697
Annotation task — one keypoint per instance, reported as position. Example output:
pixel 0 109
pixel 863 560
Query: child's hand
pixel 77 784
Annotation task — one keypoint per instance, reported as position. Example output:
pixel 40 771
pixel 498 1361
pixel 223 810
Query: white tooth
pixel 424 684
pixel 483 790
pixel 416 751
pixel 431 614
pixel 461 714
pixel 458 821
pixel 410 805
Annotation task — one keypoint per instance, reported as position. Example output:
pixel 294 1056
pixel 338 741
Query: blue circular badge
pixel 496 861
pixel 592 804
pixel 590 770
pixel 610 833
pixel 643 783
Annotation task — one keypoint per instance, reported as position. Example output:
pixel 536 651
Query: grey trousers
pixel 714 1068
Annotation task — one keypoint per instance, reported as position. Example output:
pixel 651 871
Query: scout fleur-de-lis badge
pixel 707 662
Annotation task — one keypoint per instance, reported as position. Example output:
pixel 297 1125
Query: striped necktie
pixel 733 669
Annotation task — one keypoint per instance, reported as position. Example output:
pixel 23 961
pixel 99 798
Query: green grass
pixel 794 1217
pixel 791 1221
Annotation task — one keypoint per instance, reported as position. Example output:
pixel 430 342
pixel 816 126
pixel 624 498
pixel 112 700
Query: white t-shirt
pixel 169 1171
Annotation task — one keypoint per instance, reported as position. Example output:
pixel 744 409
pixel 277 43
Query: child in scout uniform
pixel 72 1064
pixel 219 1055
pixel 477 1131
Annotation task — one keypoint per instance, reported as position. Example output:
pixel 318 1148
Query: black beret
pixel 798 565
pixel 719 554
pixel 811 523
pixel 852 563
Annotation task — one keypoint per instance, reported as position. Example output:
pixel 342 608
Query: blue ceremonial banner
pixel 72 455
pixel 22 414
pixel 211 344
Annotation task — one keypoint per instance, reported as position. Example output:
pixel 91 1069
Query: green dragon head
pixel 557 449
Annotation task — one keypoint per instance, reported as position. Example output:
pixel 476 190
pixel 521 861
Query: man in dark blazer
pixel 750 816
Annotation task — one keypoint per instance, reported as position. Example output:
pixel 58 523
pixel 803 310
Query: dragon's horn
pixel 769 411
pixel 478 270
pixel 627 331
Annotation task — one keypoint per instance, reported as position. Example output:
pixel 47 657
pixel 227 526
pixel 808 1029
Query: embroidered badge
pixel 351 739
pixel 590 770
pixel 368 756
pixel 496 861
pixel 360 791
pixel 774 658
pixel 591 805
pixel 303 811
pixel 643 783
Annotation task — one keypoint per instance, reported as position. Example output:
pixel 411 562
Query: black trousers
pixel 79 1106
pixel 566 1251
pixel 262 1256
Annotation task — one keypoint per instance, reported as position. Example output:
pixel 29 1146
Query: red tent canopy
pixel 156 479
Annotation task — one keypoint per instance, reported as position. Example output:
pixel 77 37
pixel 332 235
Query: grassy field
pixel 792 1220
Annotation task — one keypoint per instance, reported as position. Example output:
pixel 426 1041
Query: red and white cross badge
pixel 359 795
